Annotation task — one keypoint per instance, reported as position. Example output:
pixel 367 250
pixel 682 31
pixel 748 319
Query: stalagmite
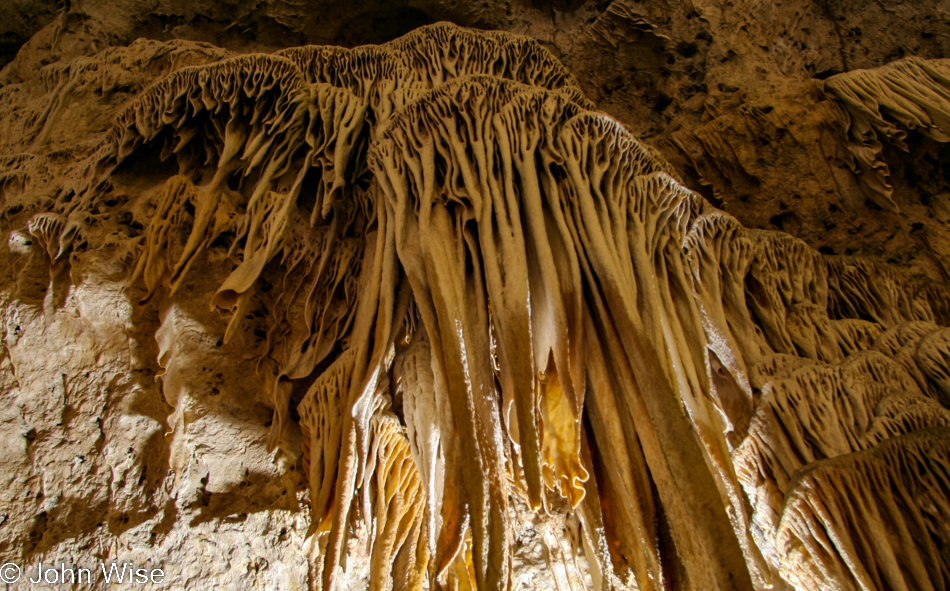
pixel 494 314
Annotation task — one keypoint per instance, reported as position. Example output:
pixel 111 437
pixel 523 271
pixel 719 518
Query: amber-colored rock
pixel 279 314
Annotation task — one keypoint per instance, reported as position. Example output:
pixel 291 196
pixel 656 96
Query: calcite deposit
pixel 417 315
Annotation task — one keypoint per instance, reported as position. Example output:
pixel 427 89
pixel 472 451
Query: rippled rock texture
pixel 418 315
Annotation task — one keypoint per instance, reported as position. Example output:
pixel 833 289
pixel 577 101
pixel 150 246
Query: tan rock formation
pixel 475 334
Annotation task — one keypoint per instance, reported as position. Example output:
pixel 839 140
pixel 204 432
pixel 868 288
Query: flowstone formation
pixel 506 346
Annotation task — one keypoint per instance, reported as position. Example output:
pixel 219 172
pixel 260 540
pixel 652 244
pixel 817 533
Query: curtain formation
pixel 507 308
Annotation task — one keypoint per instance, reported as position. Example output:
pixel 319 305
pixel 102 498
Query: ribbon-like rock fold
pixel 497 308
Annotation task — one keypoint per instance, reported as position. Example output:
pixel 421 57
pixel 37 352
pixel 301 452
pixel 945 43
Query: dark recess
pixel 10 44
pixel 381 25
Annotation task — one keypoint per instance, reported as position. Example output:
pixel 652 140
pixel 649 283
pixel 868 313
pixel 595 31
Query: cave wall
pixel 141 425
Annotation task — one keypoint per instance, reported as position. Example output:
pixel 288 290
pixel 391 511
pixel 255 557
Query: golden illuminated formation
pixel 499 317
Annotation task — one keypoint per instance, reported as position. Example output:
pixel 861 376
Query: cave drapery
pixel 494 304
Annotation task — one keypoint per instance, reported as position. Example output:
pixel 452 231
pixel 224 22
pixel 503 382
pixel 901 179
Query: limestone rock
pixel 279 314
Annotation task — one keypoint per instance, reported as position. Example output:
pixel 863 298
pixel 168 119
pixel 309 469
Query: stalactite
pixel 872 520
pixel 827 353
pixel 494 305
pixel 883 104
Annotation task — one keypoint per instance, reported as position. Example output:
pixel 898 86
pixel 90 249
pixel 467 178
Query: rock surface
pixel 693 392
